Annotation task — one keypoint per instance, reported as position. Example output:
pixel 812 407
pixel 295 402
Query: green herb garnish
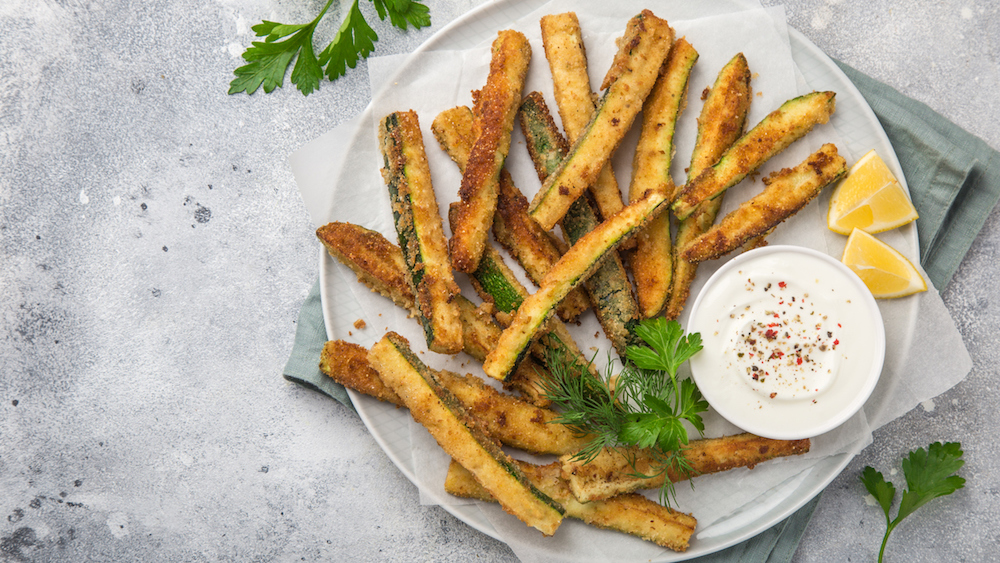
pixel 645 406
pixel 929 474
pixel 269 59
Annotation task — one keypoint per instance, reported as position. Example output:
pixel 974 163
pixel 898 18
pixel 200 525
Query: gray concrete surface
pixel 155 253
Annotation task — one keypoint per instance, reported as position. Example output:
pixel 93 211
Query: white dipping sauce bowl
pixel 793 342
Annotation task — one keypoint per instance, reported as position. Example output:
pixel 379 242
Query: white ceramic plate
pixel 860 131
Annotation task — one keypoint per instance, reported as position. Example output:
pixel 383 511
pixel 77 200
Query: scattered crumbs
pixel 360 324
pixel 754 76
pixel 349 333
pixel 14 402
pixel 760 94
pixel 597 335
pixel 263 469
pixel 38 237
pixel 202 214
pixel 143 206
pixel 704 93
pixel 156 292
pixel 78 482
pixel 164 248
pixel 928 405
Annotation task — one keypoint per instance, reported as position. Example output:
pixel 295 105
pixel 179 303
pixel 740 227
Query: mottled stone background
pixel 154 253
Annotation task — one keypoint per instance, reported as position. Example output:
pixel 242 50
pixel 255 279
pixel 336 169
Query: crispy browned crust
pixel 496 106
pixel 524 238
pixel 513 421
pixel 527 242
pixel 646 47
pixel 722 119
pixel 379 264
pixel 773 134
pixel 562 40
pixel 612 471
pixel 460 434
pixel 629 513
pixel 376 261
pixel 651 263
pixel 420 231
pixel 787 191
pixel 609 286
pixel 575 266
pixel 347 364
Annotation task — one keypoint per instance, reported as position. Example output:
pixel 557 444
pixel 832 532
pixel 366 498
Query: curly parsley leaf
pixel 929 474
pixel 268 60
pixel 645 406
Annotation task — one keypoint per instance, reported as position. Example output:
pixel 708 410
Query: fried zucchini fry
pixel 513 228
pixel 629 513
pixel 567 57
pixel 380 265
pixel 721 122
pixel 495 108
pixel 514 422
pixel 421 234
pixel 609 287
pixel 614 472
pixel 460 434
pixel 787 191
pixel 574 267
pixel 644 47
pixel 495 282
pixel 773 134
pixel 652 260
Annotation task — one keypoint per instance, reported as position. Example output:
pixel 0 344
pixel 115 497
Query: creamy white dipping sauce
pixel 793 342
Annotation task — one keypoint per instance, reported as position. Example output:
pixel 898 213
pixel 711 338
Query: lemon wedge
pixel 886 272
pixel 869 198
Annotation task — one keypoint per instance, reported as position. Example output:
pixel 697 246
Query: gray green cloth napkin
pixel 954 181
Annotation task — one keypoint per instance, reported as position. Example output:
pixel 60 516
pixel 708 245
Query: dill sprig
pixel 644 406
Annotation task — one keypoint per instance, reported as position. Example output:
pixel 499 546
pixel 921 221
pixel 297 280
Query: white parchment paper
pixel 338 176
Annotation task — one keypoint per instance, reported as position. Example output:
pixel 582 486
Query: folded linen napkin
pixel 954 181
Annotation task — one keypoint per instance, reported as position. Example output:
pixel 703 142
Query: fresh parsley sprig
pixel 268 60
pixel 929 474
pixel 645 406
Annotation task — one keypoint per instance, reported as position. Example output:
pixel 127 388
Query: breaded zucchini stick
pixel 614 472
pixel 643 49
pixel 721 122
pixel 460 435
pixel 609 287
pixel 494 281
pixel 380 265
pixel 787 191
pixel 514 422
pixel 773 134
pixel 513 228
pixel 652 260
pixel 574 267
pixel 629 513
pixel 495 108
pixel 567 57
pixel 421 234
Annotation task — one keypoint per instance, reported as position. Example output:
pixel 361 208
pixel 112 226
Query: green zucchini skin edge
pixel 489 445
pixel 609 287
pixel 405 230
pixel 505 296
pixel 682 207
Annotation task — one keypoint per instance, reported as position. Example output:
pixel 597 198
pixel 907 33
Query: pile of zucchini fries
pixel 514 331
